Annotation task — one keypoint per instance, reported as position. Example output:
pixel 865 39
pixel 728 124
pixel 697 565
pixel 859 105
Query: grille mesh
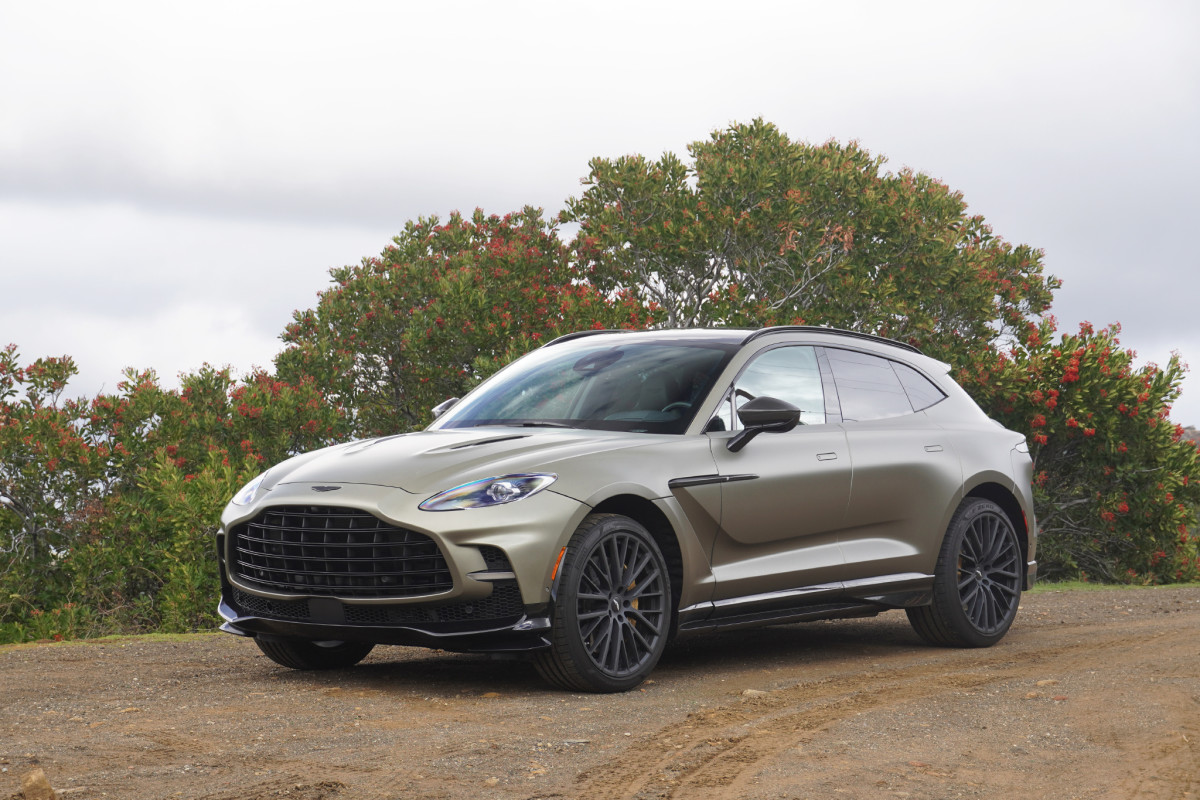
pixel 495 559
pixel 261 606
pixel 320 550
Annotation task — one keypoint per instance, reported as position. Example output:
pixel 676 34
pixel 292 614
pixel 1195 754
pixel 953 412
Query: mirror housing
pixel 443 407
pixel 763 415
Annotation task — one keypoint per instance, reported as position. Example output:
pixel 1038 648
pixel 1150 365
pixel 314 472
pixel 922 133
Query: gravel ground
pixel 1093 694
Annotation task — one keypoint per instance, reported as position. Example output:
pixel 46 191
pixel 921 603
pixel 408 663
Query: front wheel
pixel 306 654
pixel 977 582
pixel 612 608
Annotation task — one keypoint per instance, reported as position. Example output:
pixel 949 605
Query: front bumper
pixel 491 607
pixel 528 632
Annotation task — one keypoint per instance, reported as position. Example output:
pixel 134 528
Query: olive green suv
pixel 613 490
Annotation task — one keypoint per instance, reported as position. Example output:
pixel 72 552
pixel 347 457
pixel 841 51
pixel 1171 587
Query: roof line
pixel 870 337
pixel 566 337
pixel 752 335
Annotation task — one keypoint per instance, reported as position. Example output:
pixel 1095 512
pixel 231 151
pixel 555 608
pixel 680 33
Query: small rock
pixel 491 781
pixel 35 786
pixel 754 693
pixel 490 694
pixel 1050 682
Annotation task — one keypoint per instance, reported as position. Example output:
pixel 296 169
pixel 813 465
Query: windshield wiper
pixel 524 423
pixel 538 423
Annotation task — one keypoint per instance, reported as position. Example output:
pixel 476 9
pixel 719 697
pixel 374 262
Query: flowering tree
pixel 437 310
pixel 46 466
pixel 108 506
pixel 1116 484
pixel 759 229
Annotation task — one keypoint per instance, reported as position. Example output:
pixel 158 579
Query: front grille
pixel 319 550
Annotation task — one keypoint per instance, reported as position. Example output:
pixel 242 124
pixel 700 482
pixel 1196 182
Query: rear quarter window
pixel 921 391
pixel 867 386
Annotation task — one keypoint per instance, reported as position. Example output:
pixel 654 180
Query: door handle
pixel 933 448
pixel 826 456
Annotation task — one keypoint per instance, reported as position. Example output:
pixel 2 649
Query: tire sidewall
pixel 566 625
pixel 946 590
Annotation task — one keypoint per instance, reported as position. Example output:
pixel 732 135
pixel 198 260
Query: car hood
pixel 432 461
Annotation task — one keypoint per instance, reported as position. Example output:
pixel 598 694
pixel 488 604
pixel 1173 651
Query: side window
pixel 867 386
pixel 786 373
pixel 922 393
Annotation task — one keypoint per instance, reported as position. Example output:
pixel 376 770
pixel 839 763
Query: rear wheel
pixel 977 582
pixel 611 610
pixel 307 654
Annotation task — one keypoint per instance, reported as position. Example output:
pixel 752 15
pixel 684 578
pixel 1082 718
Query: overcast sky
pixel 176 179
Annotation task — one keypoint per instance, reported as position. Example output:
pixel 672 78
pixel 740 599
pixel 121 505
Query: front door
pixel 785 497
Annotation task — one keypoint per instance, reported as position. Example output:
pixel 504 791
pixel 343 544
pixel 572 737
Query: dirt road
pixel 1092 695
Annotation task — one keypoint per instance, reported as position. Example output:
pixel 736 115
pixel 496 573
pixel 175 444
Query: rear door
pixel 906 472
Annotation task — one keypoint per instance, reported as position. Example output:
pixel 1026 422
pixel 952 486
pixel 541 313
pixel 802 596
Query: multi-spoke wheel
pixel 977 583
pixel 305 654
pixel 612 608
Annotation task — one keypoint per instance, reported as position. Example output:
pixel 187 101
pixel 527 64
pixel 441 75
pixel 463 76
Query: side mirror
pixel 763 414
pixel 443 407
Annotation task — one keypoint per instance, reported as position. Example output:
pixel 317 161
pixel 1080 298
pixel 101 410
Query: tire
pixel 612 608
pixel 977 581
pixel 306 654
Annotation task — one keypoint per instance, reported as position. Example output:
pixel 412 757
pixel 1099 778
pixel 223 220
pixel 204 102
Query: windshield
pixel 647 386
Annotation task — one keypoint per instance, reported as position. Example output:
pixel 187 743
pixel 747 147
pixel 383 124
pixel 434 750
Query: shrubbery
pixel 108 505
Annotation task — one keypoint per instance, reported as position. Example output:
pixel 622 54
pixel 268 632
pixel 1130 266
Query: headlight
pixel 488 492
pixel 247 493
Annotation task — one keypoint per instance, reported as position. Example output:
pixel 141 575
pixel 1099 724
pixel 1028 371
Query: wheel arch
pixel 1010 506
pixel 652 518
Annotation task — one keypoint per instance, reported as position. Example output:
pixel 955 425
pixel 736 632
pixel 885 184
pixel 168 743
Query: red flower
pixel 1040 438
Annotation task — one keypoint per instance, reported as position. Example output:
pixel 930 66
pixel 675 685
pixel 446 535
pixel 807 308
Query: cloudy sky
pixel 176 179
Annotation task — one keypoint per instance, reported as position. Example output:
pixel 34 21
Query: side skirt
pixel 861 598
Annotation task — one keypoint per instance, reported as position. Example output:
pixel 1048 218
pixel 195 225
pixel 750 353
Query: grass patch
pixel 117 638
pixel 1042 587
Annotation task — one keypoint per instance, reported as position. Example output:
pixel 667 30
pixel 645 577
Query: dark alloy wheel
pixel 305 654
pixel 977 583
pixel 611 608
